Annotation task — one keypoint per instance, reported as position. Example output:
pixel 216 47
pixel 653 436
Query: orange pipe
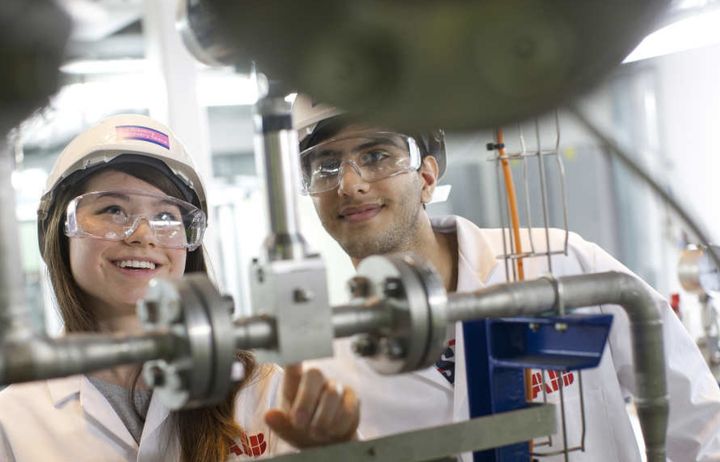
pixel 512 202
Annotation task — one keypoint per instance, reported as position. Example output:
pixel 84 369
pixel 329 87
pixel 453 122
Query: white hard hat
pixel 131 137
pixel 308 114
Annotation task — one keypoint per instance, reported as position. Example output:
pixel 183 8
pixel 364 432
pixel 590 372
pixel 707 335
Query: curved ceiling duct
pixel 458 64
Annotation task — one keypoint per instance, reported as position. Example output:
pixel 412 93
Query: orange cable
pixel 512 202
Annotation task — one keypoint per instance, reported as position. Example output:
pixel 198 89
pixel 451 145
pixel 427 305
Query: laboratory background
pixel 661 106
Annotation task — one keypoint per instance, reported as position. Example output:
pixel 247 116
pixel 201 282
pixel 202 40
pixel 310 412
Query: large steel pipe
pixel 535 297
pixel 45 358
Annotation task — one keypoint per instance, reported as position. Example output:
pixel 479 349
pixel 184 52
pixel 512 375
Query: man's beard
pixel 398 236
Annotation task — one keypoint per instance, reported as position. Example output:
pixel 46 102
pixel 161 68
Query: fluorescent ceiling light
pixel 104 66
pixel 226 89
pixel 215 87
pixel 693 32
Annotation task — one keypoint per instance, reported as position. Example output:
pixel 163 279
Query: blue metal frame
pixel 497 351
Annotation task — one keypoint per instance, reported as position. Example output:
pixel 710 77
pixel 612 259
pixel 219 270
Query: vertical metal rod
pixel 14 315
pixel 526 187
pixel 561 386
pixel 563 194
pixel 545 400
pixel 503 210
pixel 582 412
pixel 279 161
pixel 543 195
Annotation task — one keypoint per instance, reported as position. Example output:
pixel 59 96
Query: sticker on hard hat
pixel 138 132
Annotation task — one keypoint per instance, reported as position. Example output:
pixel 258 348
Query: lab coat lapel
pixel 99 411
pixel 476 263
pixel 155 442
pixel 64 389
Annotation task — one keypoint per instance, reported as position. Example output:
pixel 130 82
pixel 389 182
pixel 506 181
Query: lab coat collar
pixel 98 409
pixel 156 415
pixel 94 404
pixel 476 264
pixel 476 260
pixel 64 389
pixel 156 443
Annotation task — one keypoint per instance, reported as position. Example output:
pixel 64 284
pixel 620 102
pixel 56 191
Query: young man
pixel 369 187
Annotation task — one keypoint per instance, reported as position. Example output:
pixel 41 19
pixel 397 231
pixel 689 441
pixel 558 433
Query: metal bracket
pixel 437 442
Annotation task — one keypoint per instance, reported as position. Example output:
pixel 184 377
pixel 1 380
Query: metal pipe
pixel 279 160
pixel 260 332
pixel 349 320
pixel 15 320
pixel 45 358
pixel 540 296
pixel 255 332
pixel 529 298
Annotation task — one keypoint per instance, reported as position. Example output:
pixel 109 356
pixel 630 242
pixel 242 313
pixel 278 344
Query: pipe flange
pixel 200 318
pixel 412 291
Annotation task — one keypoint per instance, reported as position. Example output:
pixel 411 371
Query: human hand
pixel 315 410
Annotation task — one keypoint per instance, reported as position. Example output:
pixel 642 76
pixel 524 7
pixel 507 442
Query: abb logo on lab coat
pixel 553 382
pixel 253 445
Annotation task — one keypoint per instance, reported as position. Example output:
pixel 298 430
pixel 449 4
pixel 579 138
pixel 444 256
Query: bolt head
pixel 392 348
pixel 393 288
pixel 302 295
pixel 359 287
pixel 154 376
pixel 365 345
pixel 149 312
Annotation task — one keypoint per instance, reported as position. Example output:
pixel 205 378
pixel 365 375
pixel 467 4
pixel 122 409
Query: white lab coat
pixel 392 404
pixel 68 419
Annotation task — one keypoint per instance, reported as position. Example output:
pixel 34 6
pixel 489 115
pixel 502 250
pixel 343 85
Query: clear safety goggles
pixel 373 157
pixel 116 215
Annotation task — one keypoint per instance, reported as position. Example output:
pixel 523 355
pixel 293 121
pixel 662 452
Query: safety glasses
pixel 116 215
pixel 372 156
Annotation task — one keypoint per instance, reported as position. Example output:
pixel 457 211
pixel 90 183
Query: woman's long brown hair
pixel 204 434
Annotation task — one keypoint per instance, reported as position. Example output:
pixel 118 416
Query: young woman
pixel 124 204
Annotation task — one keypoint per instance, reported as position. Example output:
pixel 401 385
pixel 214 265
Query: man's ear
pixel 428 172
